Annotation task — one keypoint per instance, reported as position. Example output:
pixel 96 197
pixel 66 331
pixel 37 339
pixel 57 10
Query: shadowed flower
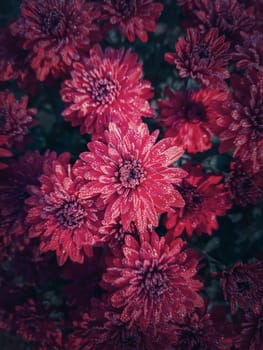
pixel 241 125
pixel 104 330
pixel 229 16
pixel 55 32
pixel 251 332
pixel 205 198
pixel 185 116
pixel 245 186
pixel 202 56
pixel 133 17
pixel 106 87
pixel 242 285
pixel 15 118
pixel 58 216
pixel 14 182
pixel 4 150
pixel 156 274
pixel 132 175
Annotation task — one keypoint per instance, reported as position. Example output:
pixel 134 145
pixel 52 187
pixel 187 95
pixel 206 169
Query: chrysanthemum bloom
pixel 251 333
pixel 156 274
pixel 185 116
pixel 103 329
pixel 201 330
pixel 245 185
pixel 205 198
pixel 241 125
pixel 242 285
pixel 15 118
pixel 57 214
pixel 32 323
pixel 229 16
pixel 250 53
pixel 202 56
pixel 132 175
pixel 14 182
pixel 133 17
pixel 106 87
pixel 55 32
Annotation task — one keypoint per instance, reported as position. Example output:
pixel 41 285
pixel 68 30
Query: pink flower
pixel 202 56
pixel 106 87
pixel 157 274
pixel 133 17
pixel 185 116
pixel 132 175
pixel 58 216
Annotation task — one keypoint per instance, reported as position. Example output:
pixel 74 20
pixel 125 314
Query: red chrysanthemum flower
pixel 202 56
pixel 202 330
pixel 242 285
pixel 205 198
pixel 133 17
pixel 14 182
pixel 102 329
pixel 251 332
pixel 241 125
pixel 32 323
pixel 185 116
pixel 15 118
pixel 245 185
pixel 58 215
pixel 55 32
pixel 106 87
pixel 132 175
pixel 156 274
pixel 229 16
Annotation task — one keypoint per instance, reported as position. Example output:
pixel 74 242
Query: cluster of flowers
pixel 120 218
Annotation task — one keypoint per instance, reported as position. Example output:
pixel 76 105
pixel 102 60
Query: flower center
pixel 191 196
pixel 131 173
pixel 243 287
pixel 104 91
pixel 127 8
pixel 195 112
pixel 71 214
pixel 154 280
pixel 54 23
pixel 202 51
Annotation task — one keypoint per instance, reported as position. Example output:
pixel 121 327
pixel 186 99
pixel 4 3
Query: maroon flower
pixel 229 16
pixel 32 323
pixel 58 216
pixel 156 274
pixel 15 118
pixel 202 330
pixel 241 124
pixel 250 53
pixel 205 198
pixel 14 182
pixel 245 185
pixel 103 329
pixel 251 333
pixel 201 56
pixel 132 175
pixel 242 285
pixel 106 87
pixel 55 32
pixel 4 151
pixel 185 116
pixel 133 17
